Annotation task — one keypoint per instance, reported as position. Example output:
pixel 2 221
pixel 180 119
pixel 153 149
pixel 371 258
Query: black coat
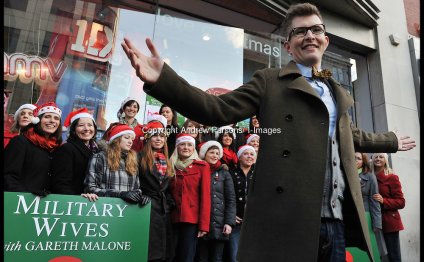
pixel 70 162
pixel 160 221
pixel 241 188
pixel 223 200
pixel 26 166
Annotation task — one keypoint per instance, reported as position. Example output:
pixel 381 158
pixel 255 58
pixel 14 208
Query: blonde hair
pixel 113 153
pixel 387 169
pixel 148 155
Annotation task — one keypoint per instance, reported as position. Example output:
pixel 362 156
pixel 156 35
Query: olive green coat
pixel 282 217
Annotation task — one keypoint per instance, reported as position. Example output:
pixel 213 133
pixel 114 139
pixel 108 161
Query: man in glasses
pixel 305 197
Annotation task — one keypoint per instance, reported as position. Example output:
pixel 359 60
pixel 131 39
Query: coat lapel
pixel 343 99
pixel 299 82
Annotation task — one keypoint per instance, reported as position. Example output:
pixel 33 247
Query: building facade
pixel 69 52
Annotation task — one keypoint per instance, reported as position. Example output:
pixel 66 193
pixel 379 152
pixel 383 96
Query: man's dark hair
pixel 303 9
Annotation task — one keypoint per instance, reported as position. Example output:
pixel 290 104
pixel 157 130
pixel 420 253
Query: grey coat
pixel 283 215
pixel 369 187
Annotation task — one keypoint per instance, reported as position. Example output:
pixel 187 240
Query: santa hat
pixel 152 128
pixel 249 137
pixel 157 117
pixel 244 148
pixel 204 147
pixel 49 107
pixel 22 107
pixel 184 138
pixel 225 129
pixel 119 130
pixel 121 109
pixel 80 113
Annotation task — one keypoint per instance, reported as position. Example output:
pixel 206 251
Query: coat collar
pixel 342 96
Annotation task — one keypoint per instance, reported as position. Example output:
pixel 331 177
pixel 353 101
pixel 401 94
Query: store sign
pixel 91 40
pixel 29 68
pixel 70 228
pixel 262 45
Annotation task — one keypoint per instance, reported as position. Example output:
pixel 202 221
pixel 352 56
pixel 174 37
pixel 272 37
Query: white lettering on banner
pixel 29 68
pixel 91 51
pixel 83 209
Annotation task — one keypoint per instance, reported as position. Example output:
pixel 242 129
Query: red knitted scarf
pixel 41 141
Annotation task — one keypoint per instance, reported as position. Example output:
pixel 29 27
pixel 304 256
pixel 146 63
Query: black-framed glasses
pixel 302 31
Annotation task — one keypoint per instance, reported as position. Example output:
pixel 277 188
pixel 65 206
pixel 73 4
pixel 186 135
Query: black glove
pixel 133 196
pixel 145 199
pixel 42 193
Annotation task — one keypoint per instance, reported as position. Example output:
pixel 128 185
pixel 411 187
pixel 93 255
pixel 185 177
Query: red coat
pixel 390 189
pixel 191 190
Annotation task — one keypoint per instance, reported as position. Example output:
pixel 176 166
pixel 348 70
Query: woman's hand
pixel 238 220
pixel 90 196
pixel 227 229
pixel 201 233
pixel 147 68
pixel 379 198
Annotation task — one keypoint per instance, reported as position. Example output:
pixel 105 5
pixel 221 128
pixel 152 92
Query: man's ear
pixel 286 45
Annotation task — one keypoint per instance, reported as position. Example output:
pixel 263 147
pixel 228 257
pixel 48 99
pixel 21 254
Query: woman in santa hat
pixel 242 177
pixel 172 126
pixel 253 140
pixel 223 205
pixel 28 156
pixel 155 172
pixel 70 160
pixel 226 137
pixel 114 172
pixel 126 115
pixel 22 118
pixel 191 190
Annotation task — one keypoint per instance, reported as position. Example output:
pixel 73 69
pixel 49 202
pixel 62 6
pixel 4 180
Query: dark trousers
pixel 331 241
pixel 231 247
pixel 393 246
pixel 185 238
pixel 210 250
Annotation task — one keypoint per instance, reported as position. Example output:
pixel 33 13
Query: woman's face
pixel 185 150
pixel 25 117
pixel 167 113
pixel 126 142
pixel 192 130
pixel 254 142
pixel 255 122
pixel 49 123
pixel 379 160
pixel 158 141
pixel 247 158
pixel 212 156
pixel 359 161
pixel 85 129
pixel 227 139
pixel 131 110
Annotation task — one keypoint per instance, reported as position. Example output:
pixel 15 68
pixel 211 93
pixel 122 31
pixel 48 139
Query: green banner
pixel 64 228
pixel 354 254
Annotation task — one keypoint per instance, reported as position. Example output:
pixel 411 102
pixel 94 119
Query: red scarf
pixel 41 141
pixel 215 166
pixel 160 162
pixel 229 156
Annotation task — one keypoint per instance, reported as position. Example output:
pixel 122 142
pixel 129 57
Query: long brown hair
pixel 365 163
pixel 113 153
pixel 148 158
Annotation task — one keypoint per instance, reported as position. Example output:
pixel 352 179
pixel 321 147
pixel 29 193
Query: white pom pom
pixel 35 120
pixel 64 128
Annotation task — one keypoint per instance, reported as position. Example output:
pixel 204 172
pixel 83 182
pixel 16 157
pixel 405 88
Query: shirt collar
pixel 306 71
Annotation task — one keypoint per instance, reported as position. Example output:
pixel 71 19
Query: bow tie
pixel 323 74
